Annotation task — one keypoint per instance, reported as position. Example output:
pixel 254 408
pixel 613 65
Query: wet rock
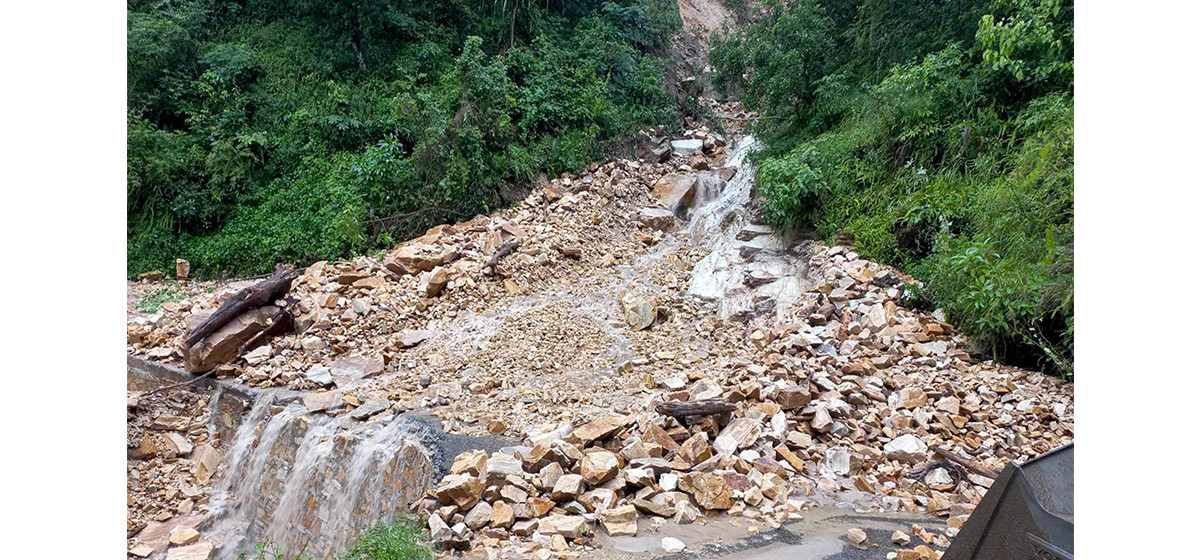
pixel 316 402
pixel 320 375
pixel 676 192
pixel 686 147
pixel 639 313
pixel 659 219
pixel 198 551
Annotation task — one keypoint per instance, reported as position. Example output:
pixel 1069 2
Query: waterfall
pixel 313 482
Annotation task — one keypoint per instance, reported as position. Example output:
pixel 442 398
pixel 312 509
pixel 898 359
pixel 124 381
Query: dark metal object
pixel 1027 514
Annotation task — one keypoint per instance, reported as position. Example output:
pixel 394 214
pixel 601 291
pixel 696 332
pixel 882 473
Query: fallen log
pixel 504 250
pixel 693 410
pixel 968 463
pixel 249 298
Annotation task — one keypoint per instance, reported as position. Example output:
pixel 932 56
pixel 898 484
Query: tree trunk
pixel 249 298
pixel 693 410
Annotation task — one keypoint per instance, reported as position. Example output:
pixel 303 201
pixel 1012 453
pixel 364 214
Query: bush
pixel 272 132
pixel 956 165
pixel 398 540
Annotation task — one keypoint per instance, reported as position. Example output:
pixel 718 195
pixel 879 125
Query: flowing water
pixel 310 482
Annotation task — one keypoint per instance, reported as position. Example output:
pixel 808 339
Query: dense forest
pixel 264 131
pixel 939 134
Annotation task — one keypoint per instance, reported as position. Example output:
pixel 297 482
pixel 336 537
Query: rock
pixel 435 281
pixel 599 467
pixel 558 543
pixel 686 513
pixel 525 527
pixel 619 521
pixel 900 538
pixel 568 487
pixel 198 551
pixel 182 269
pixel 229 341
pixel 569 526
pixel 858 538
pixel 319 375
pixel 142 550
pixel 469 462
pixel 548 476
pixel 653 508
pixel 151 276
pixel 369 283
pixel 599 429
pixel 727 173
pixel 836 461
pixel 438 530
pixel 413 259
pixel 739 434
pixel 672 545
pixel 939 479
pixel 539 506
pixel 183 535
pixel 207 459
pixel 463 491
pixel 821 421
pixel 408 339
pixel 638 313
pixel 347 370
pixel 793 396
pixel 640 477
pixel 686 147
pixel 695 449
pixel 774 487
pixel 659 219
pixel 316 402
pixel 499 467
pixel 502 515
pixel 712 492
pixel 911 397
pixel 676 192
pixel 479 515
pixel 908 448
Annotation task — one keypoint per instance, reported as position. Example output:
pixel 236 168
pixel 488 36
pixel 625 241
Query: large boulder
pixel 245 332
pixel 660 219
pixel 675 191
pixel 414 259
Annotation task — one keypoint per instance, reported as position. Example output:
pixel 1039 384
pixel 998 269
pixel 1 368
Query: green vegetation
pixel 939 135
pixel 273 131
pixel 153 302
pixel 399 540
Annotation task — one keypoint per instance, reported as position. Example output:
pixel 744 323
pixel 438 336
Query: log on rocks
pixel 245 332
pixel 691 411
pixel 504 250
pixel 971 465
pixel 249 298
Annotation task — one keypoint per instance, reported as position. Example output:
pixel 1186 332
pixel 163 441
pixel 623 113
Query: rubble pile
pixel 375 309
pixel 846 393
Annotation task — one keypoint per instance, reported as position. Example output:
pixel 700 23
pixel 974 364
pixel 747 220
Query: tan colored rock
pixel 569 526
pixel 479 515
pixel 183 535
pixel 659 219
pixel 599 429
pixel 900 538
pixel 207 459
pixel 599 467
pixel 540 506
pixel 229 341
pixel 435 281
pixel 568 487
pixel 712 492
pixel 619 521
pixel 695 449
pixel 198 551
pixel 858 538
pixel 675 191
pixel 461 490
pixel 413 259
pixel 502 515
pixel 470 462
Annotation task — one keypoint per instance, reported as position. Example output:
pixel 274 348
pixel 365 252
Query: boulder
pixel 569 526
pixel 479 515
pixel 235 337
pixel 413 259
pixel 435 281
pixel 675 191
pixel 619 521
pixel 502 515
pixel 568 487
pixel 463 491
pixel 639 313
pixel 316 402
pixel 198 551
pixel 438 530
pixel 712 492
pixel 908 448
pixel 686 147
pixel 599 467
pixel 183 535
pixel 659 219
pixel 597 430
